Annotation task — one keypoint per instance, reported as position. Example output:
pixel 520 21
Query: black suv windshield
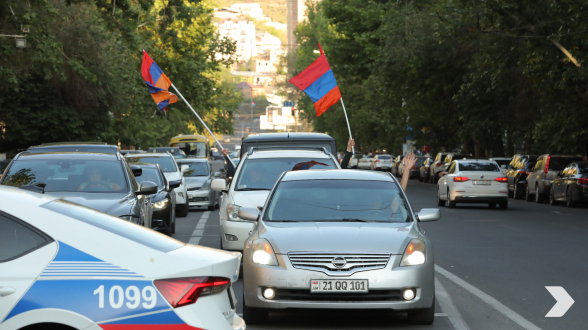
pixel 261 174
pixel 337 200
pixel 69 175
pixel 166 163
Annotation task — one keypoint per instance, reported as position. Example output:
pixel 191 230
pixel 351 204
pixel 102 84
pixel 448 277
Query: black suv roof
pixel 287 137
pixel 68 147
pixel 67 155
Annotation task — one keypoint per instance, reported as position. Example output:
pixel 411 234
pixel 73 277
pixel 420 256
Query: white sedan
pixel 473 181
pixel 65 266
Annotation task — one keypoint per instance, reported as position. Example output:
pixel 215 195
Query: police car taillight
pixel 186 290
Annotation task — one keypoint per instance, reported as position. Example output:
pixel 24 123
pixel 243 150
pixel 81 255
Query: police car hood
pixel 250 198
pixel 116 204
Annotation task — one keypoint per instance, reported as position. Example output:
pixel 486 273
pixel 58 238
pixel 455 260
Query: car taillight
pixel 583 181
pixel 547 164
pixel 439 164
pixel 460 179
pixel 377 160
pixel 186 290
pixel 503 179
pixel 524 172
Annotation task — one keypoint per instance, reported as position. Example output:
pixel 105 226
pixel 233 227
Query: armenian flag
pixel 157 82
pixel 318 82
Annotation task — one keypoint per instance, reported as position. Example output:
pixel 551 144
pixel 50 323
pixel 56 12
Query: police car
pixel 65 266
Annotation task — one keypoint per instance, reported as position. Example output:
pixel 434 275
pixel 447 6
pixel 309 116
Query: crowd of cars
pixel 464 179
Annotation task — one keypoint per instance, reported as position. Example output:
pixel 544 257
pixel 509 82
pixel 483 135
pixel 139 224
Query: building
pixel 241 31
pixel 252 10
pixel 249 90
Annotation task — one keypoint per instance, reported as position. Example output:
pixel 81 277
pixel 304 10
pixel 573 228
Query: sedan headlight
pixel 161 204
pixel 414 254
pixel 131 218
pixel 233 212
pixel 263 253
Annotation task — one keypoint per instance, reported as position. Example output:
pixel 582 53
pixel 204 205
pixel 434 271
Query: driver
pixel 95 182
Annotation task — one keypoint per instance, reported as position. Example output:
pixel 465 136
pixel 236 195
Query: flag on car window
pixel 318 82
pixel 157 82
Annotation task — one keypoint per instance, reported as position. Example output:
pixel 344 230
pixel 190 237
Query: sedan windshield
pixel 337 201
pixel 196 168
pixel 152 175
pixel 167 164
pixel 68 175
pixel 478 167
pixel 261 174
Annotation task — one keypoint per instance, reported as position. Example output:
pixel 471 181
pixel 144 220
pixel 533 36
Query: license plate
pixel 482 183
pixel 318 286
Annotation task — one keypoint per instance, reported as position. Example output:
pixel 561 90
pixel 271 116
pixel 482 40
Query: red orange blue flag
pixel 318 82
pixel 157 82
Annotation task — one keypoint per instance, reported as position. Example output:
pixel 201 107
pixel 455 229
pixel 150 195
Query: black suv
pixel 544 172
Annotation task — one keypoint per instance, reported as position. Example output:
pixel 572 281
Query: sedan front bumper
pixel 292 287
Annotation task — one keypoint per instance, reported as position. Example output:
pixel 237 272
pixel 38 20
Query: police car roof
pixel 274 153
pixel 66 155
pixel 337 175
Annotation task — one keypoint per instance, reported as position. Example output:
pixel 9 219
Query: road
pixel 492 268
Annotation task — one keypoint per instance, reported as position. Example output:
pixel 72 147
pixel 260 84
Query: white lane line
pixel 500 307
pixel 448 307
pixel 440 314
pixel 194 240
pixel 199 231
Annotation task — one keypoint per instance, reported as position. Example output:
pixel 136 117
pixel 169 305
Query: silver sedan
pixel 338 239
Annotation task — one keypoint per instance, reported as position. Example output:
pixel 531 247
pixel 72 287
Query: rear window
pixel 478 167
pixel 384 157
pixel 559 163
pixel 120 227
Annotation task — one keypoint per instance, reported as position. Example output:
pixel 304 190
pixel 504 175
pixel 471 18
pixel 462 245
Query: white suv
pixel 255 177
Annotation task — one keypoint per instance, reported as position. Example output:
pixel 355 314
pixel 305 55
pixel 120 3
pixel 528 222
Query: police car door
pixel 24 253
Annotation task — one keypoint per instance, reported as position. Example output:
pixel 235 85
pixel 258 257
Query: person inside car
pixel 95 182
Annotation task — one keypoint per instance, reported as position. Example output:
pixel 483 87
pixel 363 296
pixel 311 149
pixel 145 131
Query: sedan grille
pixel 305 295
pixel 338 264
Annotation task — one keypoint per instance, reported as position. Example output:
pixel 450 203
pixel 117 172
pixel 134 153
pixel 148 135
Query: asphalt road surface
pixel 492 268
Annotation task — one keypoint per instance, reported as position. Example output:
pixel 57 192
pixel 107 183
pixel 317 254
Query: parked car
pixel 100 181
pixel 381 162
pixel 365 163
pixel 66 266
pixel 254 178
pixel 473 181
pixel 446 162
pixel 544 172
pixel 353 162
pixel 163 201
pixel 571 185
pixel 198 178
pixel 172 172
pixel 517 176
pixel 436 164
pixel 414 172
pixel 425 170
pixel 503 162
pixel 176 152
pixel 395 165
pixel 304 234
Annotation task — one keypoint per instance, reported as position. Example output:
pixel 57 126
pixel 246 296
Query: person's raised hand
pixel 350 144
pixel 409 161
pixel 225 152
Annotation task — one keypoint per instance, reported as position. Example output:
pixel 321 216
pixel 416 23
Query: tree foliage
pixel 487 77
pixel 79 76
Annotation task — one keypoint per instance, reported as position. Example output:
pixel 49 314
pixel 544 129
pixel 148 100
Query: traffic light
pixel 293 112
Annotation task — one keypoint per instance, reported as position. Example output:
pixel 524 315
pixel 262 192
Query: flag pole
pixel 202 121
pixel 348 127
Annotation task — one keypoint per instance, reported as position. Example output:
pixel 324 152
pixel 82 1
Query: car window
pixel 151 174
pixel 317 200
pixel 69 175
pixel 559 163
pixel 263 173
pixel 196 168
pixel 17 239
pixel 583 168
pixel 478 167
pixel 126 229
pixel 384 157
pixel 438 157
pixel 529 165
pixel 451 168
pixel 167 164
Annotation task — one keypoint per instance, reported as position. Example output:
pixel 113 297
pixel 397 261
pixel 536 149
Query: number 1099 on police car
pixel 132 296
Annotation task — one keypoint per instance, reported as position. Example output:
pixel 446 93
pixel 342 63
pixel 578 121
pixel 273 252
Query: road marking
pixel 448 307
pixel 194 240
pixel 500 307
pixel 563 301
pixel 199 231
pixel 440 314
pixel 560 213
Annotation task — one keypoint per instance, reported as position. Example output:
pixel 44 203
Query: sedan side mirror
pixel 147 188
pixel 428 215
pixel 184 169
pixel 174 184
pixel 248 213
pixel 137 171
pixel 219 185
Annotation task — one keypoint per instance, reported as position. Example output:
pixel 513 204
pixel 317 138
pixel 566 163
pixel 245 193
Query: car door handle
pixel 6 290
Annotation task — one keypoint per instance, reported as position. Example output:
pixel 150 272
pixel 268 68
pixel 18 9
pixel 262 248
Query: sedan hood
pixel 250 198
pixel 116 204
pixel 195 181
pixel 338 236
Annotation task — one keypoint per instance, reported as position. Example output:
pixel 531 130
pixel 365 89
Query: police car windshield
pixel 68 175
pixel 167 164
pixel 337 200
pixel 262 174
pixel 126 229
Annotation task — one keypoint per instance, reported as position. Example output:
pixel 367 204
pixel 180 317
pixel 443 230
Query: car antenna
pixel 37 187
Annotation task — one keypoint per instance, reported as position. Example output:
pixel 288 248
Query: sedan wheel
pixel 569 201
pixel 450 204
pixel 538 197
pixel 527 195
pixel 439 201
pixel 552 200
pixel 516 194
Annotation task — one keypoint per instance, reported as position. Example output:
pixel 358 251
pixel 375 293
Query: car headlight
pixel 161 204
pixel 233 212
pixel 131 218
pixel 263 253
pixel 414 254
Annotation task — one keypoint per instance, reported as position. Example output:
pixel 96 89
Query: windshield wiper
pixel 252 189
pixel 344 220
